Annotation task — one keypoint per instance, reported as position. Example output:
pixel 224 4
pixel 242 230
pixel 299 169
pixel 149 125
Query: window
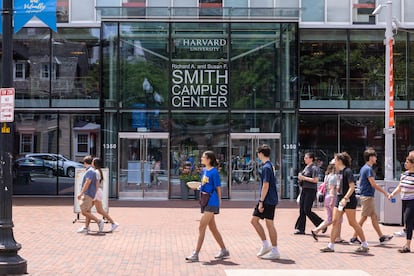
pixel 83 143
pixel 62 11
pixel 26 143
pixel 45 71
pixel 362 11
pixel 313 10
pixel 210 7
pixel 19 71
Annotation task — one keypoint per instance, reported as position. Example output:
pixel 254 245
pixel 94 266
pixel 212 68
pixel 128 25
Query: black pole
pixel 10 262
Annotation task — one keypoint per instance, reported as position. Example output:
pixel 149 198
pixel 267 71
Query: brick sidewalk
pixel 154 238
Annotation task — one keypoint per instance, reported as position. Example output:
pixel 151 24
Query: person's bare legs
pixel 336 224
pixel 351 216
pixel 321 226
pixel 361 223
pixel 272 231
pixel 88 217
pixel 258 227
pixel 99 208
pixel 375 224
pixel 216 234
pixel 204 222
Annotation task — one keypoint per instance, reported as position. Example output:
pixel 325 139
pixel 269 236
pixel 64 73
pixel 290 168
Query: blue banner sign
pixel 25 10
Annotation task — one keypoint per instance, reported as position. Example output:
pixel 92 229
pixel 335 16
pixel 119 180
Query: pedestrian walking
pixel 308 180
pixel 210 187
pixel 345 203
pixel 331 184
pixel 87 194
pixel 265 208
pixel 367 187
pixel 406 188
pixel 97 165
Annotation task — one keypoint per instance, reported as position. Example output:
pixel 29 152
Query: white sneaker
pixel 264 250
pixel 271 256
pixel 101 225
pixel 223 253
pixel 83 230
pixel 400 233
pixel 114 226
pixel 193 257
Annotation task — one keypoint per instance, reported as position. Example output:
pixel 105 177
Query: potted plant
pixel 187 175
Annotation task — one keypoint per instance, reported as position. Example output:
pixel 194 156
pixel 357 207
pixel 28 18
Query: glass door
pixel 143 165
pixel 245 167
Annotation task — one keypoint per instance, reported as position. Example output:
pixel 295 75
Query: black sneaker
pixel 385 238
pixel 354 241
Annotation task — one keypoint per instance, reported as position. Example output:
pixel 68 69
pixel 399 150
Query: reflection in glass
pixel 254 66
pixel 323 65
pixel 143 64
pixel 194 133
pixel 59 141
pixel 367 63
pixel 56 69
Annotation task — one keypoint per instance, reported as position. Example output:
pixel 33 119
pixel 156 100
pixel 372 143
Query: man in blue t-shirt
pixel 265 208
pixel 87 194
pixel 367 188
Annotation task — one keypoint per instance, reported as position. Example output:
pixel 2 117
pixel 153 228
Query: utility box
pixel 390 210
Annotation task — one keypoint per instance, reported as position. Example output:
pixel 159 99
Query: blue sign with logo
pixel 25 10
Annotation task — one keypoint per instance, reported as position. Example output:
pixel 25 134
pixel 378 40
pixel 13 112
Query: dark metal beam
pixel 10 262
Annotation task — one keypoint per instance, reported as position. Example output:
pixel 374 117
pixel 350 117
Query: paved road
pixel 155 236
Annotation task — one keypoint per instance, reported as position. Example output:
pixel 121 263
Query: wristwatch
pixel 261 201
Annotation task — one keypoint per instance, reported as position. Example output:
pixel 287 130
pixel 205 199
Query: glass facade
pixel 327 134
pixel 56 69
pixel 150 94
pixel 342 94
pixel 57 107
pixel 197 83
pixel 345 69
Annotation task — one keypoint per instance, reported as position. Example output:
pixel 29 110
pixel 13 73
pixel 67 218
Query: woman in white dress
pixel 97 164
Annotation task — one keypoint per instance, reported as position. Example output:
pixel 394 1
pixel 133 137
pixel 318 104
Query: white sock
pixel 275 250
pixel 266 243
pixel 365 244
pixel 331 245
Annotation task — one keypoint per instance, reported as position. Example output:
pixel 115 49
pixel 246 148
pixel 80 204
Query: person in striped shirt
pixel 406 188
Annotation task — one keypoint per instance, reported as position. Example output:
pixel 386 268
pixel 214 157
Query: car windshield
pixel 63 158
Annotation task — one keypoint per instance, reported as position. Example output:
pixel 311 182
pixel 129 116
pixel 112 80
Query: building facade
pixel 149 85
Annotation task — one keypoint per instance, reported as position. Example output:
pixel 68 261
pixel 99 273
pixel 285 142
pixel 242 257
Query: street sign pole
pixel 10 262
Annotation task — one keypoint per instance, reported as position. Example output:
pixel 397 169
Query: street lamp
pixel 10 261
pixel 389 129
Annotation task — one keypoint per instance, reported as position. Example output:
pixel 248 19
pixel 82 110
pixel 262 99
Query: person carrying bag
pixel 210 201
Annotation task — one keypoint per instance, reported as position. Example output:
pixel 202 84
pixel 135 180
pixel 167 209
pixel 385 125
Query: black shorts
pixel 268 212
pixel 352 204
pixel 213 209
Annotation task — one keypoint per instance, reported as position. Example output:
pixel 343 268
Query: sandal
pixel 314 235
pixel 404 249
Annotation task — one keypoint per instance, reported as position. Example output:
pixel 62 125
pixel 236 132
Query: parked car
pixel 27 166
pixel 61 164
